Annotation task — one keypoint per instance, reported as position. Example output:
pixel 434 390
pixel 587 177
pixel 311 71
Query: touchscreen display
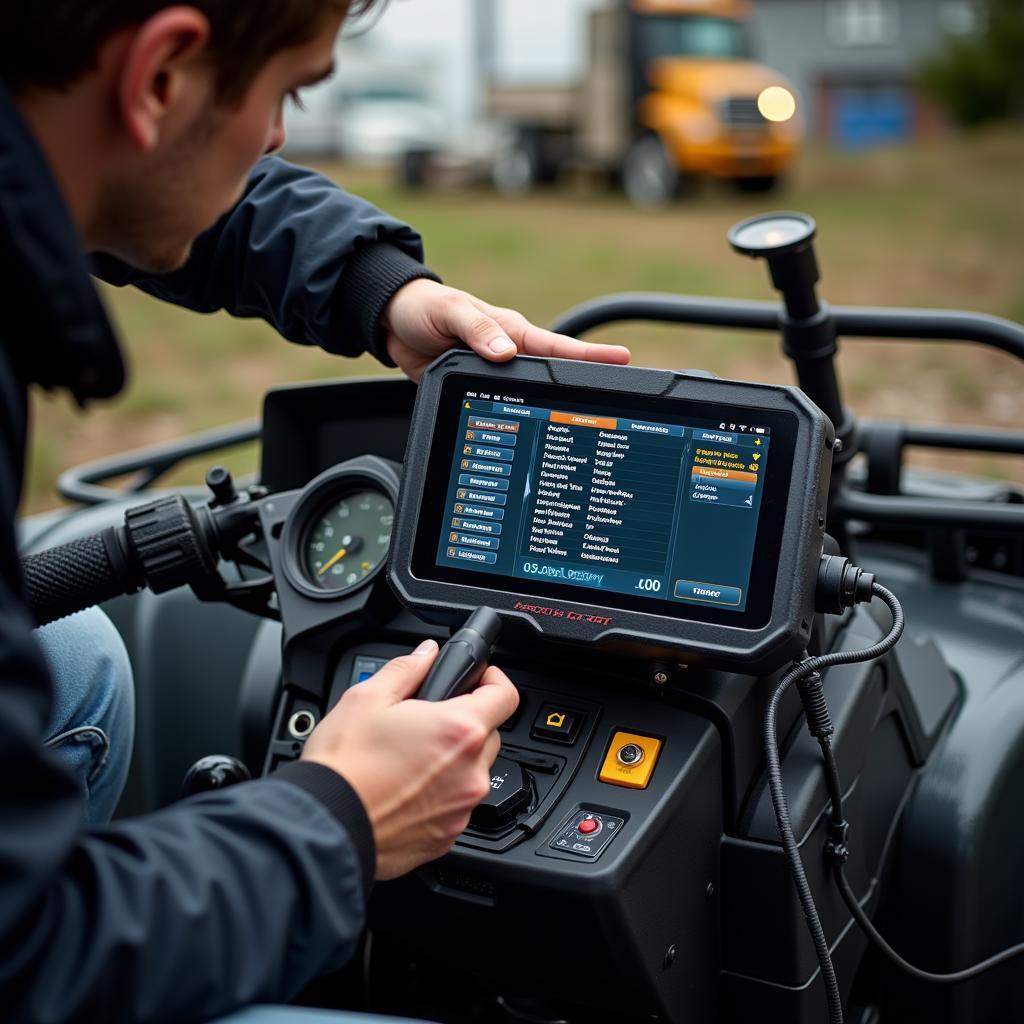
pixel 543 484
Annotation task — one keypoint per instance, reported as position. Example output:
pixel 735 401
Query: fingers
pixel 468 322
pixel 494 700
pixel 402 677
pixel 536 341
pixel 491 749
pixel 424 319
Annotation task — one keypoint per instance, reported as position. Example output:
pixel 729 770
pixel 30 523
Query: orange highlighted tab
pixel 725 474
pixel 579 419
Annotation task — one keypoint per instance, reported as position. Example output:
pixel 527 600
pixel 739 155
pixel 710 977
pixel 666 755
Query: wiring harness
pixel 840 585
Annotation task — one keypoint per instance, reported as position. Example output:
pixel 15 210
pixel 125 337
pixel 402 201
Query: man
pixel 127 127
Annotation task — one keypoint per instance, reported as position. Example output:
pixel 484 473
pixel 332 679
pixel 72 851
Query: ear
pixel 160 55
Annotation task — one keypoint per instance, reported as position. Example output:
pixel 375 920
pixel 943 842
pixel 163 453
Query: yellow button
pixel 630 760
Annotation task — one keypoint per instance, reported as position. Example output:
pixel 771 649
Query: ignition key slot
pixel 301 724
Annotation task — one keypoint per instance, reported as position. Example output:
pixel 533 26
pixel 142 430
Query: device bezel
pixel 771 511
pixel 577 615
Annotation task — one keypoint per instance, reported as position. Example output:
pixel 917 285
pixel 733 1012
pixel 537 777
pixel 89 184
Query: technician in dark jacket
pixel 242 896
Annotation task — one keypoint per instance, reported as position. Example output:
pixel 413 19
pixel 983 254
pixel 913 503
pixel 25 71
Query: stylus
pixel 461 662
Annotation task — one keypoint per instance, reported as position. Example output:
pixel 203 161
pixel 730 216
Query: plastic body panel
pixel 954 894
pixel 762 649
pixel 307 428
pixel 592 932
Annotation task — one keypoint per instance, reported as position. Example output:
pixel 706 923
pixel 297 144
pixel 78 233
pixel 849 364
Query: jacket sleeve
pixel 315 262
pixel 186 914
pixel 182 915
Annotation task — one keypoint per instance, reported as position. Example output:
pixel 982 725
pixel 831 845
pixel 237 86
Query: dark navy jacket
pixel 228 898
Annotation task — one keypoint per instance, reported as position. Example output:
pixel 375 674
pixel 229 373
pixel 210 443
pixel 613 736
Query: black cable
pixel 805 669
pixel 850 899
pixel 953 978
pixel 805 673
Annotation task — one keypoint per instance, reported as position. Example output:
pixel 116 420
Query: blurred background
pixel 554 150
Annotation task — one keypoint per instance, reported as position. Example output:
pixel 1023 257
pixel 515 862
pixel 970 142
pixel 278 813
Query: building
pixel 854 62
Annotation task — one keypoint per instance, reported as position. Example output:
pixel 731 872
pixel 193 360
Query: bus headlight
pixel 776 103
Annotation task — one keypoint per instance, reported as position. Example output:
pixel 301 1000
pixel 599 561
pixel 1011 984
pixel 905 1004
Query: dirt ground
pixel 938 225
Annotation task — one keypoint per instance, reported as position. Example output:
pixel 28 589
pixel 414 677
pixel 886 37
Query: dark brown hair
pixel 51 43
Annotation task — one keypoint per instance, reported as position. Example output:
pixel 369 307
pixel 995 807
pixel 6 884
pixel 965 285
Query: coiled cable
pixel 806 674
pixel 805 669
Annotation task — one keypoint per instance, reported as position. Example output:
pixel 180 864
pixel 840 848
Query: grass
pixel 940 224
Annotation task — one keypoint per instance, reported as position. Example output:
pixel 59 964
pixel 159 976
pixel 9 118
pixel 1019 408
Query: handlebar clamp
pixel 172 543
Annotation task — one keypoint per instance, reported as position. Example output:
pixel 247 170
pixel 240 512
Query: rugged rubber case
pixel 724 646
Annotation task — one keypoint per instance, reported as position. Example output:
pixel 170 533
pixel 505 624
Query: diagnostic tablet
pixel 615 506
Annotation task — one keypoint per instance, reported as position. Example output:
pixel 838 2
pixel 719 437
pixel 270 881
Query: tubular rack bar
pixel 973 439
pixel 884 509
pixel 883 505
pixel 927 513
pixel 884 444
pixel 81 484
pixel 851 321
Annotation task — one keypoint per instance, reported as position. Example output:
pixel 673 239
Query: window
pixel 693 35
pixel 863 22
pixel 958 17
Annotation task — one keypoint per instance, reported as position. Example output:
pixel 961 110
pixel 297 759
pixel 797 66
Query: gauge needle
pixel 336 557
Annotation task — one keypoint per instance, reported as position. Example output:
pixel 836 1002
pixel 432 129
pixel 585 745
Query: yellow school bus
pixel 670 92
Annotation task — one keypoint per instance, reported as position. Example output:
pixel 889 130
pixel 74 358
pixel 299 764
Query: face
pixel 151 211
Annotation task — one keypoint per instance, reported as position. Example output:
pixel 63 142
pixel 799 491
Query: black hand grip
pixel 163 545
pixel 463 660
pixel 77 575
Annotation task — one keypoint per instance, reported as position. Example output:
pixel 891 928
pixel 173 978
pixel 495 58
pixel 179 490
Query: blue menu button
pixel 707 593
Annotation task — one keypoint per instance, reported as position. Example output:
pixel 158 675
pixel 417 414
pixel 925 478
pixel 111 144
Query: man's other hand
pixel 425 318
pixel 419 767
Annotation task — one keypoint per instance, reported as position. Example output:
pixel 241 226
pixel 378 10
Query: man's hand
pixel 419 768
pixel 425 318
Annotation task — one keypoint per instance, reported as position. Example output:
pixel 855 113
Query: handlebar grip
pixel 77 575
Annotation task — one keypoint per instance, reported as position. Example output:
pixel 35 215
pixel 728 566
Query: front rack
pixel 875 501
pixel 879 503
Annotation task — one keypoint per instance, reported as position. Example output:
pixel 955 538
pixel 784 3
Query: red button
pixel 586 826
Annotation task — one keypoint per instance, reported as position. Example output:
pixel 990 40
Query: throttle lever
pixel 463 659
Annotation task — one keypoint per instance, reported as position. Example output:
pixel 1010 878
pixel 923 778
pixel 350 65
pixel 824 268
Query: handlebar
pixel 162 545
pixel 747 314
pixel 76 575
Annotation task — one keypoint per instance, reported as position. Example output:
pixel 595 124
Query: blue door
pixel 871 116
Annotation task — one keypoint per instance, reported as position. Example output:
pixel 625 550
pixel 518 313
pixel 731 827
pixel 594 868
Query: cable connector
pixel 837 849
pixel 841 585
pixel 812 696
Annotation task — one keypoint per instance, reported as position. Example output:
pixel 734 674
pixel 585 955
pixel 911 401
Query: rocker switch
pixel 508 795
pixel 586 833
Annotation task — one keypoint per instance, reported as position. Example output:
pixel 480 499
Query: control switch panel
pixel 509 793
pixel 557 724
pixel 586 833
pixel 630 760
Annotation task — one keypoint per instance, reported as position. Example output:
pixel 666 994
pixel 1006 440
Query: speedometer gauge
pixel 348 540
pixel 335 540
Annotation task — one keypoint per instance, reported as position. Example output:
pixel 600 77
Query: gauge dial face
pixel 349 540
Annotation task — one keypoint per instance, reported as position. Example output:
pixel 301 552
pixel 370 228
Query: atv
pixel 711 710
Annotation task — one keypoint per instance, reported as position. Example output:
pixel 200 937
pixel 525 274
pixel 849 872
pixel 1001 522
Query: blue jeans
pixel 91 730
pixel 92 724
